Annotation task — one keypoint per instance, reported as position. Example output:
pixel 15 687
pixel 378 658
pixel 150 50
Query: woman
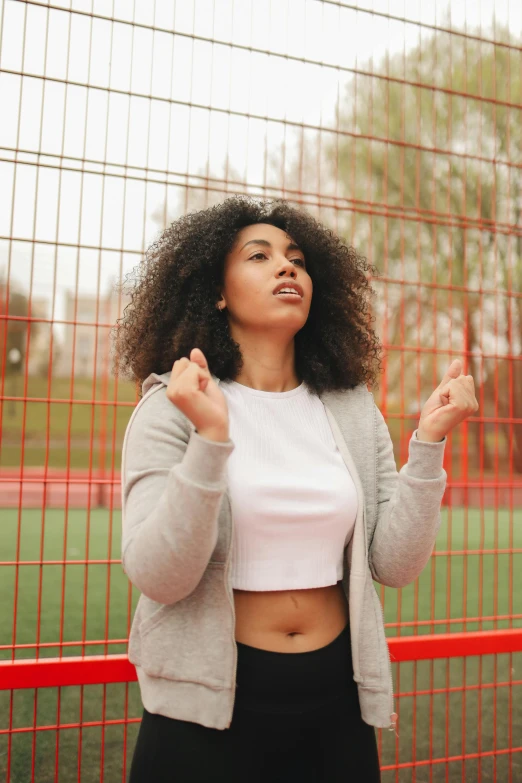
pixel 261 499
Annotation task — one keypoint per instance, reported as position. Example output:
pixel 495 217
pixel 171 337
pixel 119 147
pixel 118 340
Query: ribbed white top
pixel 293 500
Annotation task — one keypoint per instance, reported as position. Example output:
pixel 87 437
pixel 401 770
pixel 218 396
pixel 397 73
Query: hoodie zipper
pixel 231 600
pixel 232 604
pixel 393 715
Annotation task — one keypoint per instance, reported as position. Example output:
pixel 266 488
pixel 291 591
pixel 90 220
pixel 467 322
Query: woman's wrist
pixel 219 435
pixel 425 436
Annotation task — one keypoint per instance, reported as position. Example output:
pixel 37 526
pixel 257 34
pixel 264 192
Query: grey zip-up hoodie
pixel 176 549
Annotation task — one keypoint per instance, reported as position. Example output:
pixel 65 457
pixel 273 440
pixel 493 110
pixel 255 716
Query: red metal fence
pixel 400 132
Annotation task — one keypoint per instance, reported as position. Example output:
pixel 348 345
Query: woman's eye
pixel 300 260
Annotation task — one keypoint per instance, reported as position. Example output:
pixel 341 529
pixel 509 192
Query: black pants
pixel 296 717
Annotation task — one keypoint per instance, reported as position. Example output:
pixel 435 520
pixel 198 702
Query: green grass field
pixel 88 616
pixel 77 431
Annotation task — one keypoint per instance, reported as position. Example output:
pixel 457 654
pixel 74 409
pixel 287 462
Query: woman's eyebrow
pixel 291 246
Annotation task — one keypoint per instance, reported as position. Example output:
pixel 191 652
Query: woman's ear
pixel 220 304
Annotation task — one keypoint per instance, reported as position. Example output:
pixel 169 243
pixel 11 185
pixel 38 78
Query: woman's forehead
pixel 261 231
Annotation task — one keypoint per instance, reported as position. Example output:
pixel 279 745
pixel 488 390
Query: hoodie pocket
pixel 193 639
pixel 154 617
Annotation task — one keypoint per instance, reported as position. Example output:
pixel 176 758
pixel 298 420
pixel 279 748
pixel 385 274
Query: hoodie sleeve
pixel 173 481
pixel 408 508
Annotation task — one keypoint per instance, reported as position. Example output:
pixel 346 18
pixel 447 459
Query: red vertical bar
pixel 497 412
pixel 73 371
pixel 122 244
pixel 434 374
pixel 482 526
pixel 6 310
pixel 42 526
pixel 353 157
pixel 449 528
pixel 404 458
pixel 511 411
pixel 418 371
pixel 49 386
pixel 103 408
pixel 464 472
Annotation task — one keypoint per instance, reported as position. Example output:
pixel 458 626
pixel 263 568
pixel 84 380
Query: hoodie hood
pixel 152 380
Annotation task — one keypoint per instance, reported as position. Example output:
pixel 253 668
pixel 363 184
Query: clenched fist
pixel 452 401
pixel 193 390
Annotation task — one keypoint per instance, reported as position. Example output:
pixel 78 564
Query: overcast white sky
pixel 73 121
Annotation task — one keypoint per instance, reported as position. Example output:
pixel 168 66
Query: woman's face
pixel 263 257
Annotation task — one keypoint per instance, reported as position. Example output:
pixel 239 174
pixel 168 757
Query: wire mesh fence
pixel 396 124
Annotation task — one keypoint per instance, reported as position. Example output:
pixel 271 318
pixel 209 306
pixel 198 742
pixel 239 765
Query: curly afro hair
pixel 172 307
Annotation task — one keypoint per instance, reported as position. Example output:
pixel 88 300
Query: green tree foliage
pixel 426 172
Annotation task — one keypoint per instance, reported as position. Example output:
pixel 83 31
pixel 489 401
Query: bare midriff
pixel 290 620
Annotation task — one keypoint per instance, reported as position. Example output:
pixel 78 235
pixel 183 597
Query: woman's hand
pixel 452 401
pixel 192 389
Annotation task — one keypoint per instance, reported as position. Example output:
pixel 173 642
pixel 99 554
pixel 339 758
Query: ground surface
pixel 96 603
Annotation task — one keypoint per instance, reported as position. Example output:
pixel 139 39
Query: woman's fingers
pixel 191 389
pixel 197 355
pixel 179 366
pixel 190 375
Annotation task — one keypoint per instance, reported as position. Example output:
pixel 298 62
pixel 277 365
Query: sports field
pixel 94 604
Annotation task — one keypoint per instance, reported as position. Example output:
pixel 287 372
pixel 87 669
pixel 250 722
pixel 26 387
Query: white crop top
pixel 293 500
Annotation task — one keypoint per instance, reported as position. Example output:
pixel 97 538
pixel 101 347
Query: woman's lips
pixel 290 297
